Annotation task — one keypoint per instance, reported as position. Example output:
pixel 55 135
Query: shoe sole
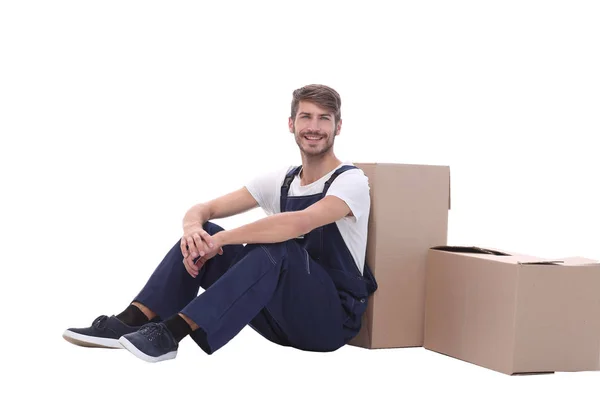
pixel 126 344
pixel 91 341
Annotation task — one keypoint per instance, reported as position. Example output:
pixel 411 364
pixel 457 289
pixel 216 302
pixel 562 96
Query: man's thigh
pixel 305 310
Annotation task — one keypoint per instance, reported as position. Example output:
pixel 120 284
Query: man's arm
pixel 225 206
pixel 195 240
pixel 287 225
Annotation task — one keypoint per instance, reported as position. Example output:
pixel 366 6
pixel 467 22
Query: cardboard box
pixel 409 214
pixel 513 313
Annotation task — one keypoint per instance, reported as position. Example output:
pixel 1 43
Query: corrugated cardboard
pixel 513 313
pixel 409 214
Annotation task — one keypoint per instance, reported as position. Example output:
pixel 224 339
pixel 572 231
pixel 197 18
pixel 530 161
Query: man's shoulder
pixel 355 170
pixel 353 174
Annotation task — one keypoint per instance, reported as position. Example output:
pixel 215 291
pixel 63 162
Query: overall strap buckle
pixel 285 187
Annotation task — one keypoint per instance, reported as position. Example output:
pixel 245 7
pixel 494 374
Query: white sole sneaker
pixel 91 341
pixel 136 352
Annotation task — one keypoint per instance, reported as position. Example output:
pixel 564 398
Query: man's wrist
pixel 221 238
pixel 192 223
pixel 197 215
pixel 187 223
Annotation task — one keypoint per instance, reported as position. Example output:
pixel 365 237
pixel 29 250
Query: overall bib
pixel 307 292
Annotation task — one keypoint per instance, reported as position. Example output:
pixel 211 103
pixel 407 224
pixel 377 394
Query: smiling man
pixel 297 276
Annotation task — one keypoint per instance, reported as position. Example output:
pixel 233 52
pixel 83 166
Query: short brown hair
pixel 322 95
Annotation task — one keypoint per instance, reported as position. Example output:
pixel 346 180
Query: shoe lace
pixel 153 330
pixel 100 322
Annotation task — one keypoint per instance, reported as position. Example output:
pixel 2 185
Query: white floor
pixel 250 366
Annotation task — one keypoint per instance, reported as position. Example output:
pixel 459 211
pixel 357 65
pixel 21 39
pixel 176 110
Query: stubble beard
pixel 314 153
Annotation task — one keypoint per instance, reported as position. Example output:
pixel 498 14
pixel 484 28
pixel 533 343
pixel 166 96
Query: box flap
pixel 470 249
pixel 541 262
pixel 568 262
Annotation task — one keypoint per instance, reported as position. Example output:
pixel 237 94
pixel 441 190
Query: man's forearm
pixel 272 229
pixel 200 213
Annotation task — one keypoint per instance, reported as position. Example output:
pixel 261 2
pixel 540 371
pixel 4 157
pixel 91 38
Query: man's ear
pixel 291 124
pixel 339 127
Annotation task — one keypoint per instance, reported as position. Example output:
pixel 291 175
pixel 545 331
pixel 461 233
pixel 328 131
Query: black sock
pixel 178 327
pixel 133 316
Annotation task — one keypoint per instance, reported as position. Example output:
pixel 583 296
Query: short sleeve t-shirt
pixel 352 186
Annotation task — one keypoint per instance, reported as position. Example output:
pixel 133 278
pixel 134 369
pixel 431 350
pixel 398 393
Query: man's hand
pixel 195 241
pixel 197 244
pixel 194 268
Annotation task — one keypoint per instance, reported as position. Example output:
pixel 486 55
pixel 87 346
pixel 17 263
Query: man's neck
pixel 314 169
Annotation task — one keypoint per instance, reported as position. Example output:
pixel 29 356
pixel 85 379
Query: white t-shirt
pixel 352 186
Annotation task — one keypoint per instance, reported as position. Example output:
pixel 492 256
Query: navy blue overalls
pixel 306 292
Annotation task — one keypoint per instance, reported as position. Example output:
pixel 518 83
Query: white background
pixel 116 116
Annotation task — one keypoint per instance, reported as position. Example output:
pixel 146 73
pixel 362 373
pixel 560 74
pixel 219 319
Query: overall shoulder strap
pixel 340 170
pixel 285 187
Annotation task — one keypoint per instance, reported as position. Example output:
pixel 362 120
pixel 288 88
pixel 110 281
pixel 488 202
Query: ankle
pixel 133 316
pixel 192 324
pixel 178 327
pixel 147 312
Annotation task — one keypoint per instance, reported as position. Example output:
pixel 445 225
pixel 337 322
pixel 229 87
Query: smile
pixel 312 138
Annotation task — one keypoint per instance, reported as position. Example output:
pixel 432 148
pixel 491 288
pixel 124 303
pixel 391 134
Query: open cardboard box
pixel 513 313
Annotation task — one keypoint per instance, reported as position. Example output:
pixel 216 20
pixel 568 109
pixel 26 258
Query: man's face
pixel 314 129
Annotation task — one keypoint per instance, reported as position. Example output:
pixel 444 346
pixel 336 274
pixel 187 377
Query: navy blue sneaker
pixel 152 343
pixel 104 332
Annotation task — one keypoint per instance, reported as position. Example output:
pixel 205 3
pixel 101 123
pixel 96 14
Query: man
pixel 297 276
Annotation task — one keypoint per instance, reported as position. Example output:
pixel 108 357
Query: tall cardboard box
pixel 409 214
pixel 513 313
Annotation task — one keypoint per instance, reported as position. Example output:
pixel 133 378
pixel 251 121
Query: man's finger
pixel 200 262
pixel 192 247
pixel 194 268
pixel 199 244
pixel 207 249
pixel 183 245
pixel 190 267
pixel 207 238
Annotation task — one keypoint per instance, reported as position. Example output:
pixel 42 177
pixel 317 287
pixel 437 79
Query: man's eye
pixel 326 118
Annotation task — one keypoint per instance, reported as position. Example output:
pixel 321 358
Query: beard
pixel 317 149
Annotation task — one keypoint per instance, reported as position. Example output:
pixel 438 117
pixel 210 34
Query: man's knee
pixel 211 228
pixel 274 251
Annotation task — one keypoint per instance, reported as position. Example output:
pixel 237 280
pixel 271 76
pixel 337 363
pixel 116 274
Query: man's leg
pixel 168 290
pixel 276 288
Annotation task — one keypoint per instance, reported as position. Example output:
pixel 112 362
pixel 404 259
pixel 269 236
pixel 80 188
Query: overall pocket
pixel 352 290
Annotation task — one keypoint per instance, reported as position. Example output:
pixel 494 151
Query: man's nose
pixel 313 125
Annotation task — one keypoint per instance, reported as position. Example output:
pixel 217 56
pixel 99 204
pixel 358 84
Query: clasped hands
pixel 196 242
